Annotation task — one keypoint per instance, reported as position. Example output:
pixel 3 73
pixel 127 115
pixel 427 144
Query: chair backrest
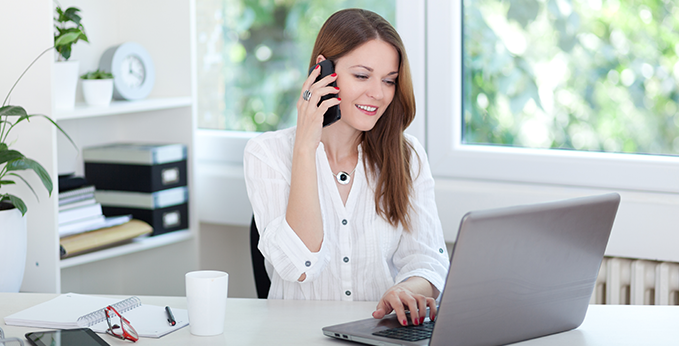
pixel 262 281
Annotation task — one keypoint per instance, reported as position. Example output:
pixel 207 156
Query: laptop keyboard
pixel 409 333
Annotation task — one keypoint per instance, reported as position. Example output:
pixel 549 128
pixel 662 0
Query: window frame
pixel 450 158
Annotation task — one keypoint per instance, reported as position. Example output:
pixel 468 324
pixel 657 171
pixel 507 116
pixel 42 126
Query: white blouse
pixel 362 255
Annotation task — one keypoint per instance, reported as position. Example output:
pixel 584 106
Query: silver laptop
pixel 515 274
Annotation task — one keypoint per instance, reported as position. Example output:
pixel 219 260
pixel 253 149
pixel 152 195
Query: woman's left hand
pixel 401 297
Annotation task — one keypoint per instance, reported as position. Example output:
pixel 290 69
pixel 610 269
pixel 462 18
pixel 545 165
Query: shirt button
pixel 441 250
pixel 348 293
pixel 346 259
pixel 344 222
pixel 307 263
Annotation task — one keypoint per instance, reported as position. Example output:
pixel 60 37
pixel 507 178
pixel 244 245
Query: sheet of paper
pixel 63 312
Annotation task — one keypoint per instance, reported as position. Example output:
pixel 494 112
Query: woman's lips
pixel 369 110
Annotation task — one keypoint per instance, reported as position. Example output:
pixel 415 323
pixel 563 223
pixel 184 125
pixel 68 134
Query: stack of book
pixel 78 209
pixel 148 181
pixel 82 224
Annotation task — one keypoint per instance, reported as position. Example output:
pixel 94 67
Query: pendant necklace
pixel 343 177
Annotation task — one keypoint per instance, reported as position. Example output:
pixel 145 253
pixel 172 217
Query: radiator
pixel 636 282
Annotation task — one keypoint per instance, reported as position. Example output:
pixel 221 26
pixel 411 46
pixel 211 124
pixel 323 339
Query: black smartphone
pixel 66 337
pixel 333 113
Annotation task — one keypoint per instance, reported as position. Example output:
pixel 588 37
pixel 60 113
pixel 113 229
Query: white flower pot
pixel 64 84
pixel 97 92
pixel 13 244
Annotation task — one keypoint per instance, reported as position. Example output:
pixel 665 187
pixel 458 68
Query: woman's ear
pixel 320 58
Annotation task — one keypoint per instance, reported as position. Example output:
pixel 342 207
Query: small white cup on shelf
pixel 206 292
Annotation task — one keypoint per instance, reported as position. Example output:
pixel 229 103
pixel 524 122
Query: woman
pixel 347 211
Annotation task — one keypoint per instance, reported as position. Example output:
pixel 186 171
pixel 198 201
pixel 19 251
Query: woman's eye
pixel 360 76
pixel 390 82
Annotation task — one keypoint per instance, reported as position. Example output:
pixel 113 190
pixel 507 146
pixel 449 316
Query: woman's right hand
pixel 303 213
pixel 309 113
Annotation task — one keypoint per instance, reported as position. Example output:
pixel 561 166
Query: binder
pixel 102 238
pixel 78 311
pixel 131 199
pixel 134 177
pixel 136 167
pixel 163 220
pixel 135 153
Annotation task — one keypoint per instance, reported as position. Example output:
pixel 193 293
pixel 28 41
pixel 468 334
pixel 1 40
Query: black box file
pixel 163 220
pixel 136 167
pixel 146 180
pixel 140 178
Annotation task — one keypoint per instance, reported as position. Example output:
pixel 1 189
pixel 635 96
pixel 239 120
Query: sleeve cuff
pixel 294 258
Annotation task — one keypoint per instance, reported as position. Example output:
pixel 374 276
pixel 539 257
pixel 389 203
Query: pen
pixel 170 317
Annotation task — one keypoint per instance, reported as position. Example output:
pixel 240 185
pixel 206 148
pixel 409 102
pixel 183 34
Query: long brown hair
pixel 386 152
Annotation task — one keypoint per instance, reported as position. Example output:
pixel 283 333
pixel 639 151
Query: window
pixel 252 56
pixel 514 155
pixel 588 75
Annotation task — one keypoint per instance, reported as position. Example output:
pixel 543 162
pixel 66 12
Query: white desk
pixel 279 322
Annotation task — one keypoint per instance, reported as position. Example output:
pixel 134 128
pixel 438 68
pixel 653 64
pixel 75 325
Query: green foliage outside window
pixel 597 75
pixel 253 57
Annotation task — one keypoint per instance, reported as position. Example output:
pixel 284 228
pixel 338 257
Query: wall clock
pixel 132 69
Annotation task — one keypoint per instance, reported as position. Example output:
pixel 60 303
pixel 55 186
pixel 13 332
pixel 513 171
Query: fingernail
pixel 333 75
pixel 317 67
pixel 404 322
pixel 415 322
pixel 336 88
pixel 421 320
pixel 339 99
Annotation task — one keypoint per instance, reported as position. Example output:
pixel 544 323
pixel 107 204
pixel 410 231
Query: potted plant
pixel 68 31
pixel 97 88
pixel 13 165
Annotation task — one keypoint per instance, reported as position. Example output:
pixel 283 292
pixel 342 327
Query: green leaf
pixel 26 163
pixel 27 184
pixel 10 155
pixel 84 37
pixel 98 74
pixel 3 147
pixel 18 203
pixel 28 116
pixel 7 182
pixel 71 14
pixel 12 111
pixel 56 125
pixel 60 12
pixel 68 38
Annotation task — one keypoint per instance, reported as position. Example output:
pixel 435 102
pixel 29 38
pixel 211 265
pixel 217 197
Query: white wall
pixel 644 226
pixel 25 32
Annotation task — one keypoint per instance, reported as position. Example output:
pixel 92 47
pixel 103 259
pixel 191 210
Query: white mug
pixel 206 292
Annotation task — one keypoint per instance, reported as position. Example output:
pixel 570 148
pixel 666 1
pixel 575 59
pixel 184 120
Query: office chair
pixel 262 281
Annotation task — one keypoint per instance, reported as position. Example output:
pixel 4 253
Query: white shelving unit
pixel 82 110
pixel 152 265
pixel 138 244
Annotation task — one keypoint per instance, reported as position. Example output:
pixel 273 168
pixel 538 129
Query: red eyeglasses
pixel 123 329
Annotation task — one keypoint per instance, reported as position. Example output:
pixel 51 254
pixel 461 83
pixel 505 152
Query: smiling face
pixel 366 77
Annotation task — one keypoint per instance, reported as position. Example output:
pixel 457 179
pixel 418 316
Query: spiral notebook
pixel 73 310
